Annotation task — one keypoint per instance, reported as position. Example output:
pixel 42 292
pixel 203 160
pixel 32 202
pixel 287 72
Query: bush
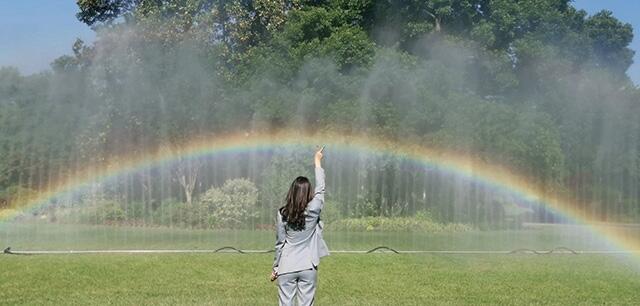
pixel 331 211
pixel 363 207
pixel 97 212
pixel 424 215
pixel 198 214
pixel 231 206
pixel 135 210
pixel 397 224
pixel 110 212
pixel 168 213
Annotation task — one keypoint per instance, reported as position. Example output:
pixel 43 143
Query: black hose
pixel 554 250
pixel 229 248
pixel 382 247
pixel 8 251
pixel 560 249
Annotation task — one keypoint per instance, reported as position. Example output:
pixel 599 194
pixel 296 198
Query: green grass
pixel 47 236
pixel 344 279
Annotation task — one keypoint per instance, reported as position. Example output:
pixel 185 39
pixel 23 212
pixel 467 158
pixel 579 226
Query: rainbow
pixel 458 164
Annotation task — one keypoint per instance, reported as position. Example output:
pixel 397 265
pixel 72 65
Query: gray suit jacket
pixel 300 250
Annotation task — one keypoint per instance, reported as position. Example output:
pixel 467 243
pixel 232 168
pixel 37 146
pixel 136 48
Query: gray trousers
pixel 301 282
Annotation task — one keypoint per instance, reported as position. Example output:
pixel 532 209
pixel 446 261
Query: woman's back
pixel 301 249
pixel 299 243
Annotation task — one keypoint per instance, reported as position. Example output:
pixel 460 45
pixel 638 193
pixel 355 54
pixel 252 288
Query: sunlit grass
pixel 344 279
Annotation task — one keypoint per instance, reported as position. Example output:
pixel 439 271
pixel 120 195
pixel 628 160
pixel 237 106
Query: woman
pixel 299 243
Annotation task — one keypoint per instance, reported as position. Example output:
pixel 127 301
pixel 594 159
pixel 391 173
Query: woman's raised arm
pixel 316 204
pixel 319 190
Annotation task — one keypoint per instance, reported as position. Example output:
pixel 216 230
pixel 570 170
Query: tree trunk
pixel 187 173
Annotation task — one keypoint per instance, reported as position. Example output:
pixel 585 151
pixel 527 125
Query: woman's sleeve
pixel 316 204
pixel 319 190
pixel 280 238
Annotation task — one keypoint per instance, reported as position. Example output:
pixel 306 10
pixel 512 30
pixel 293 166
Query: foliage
pixel 98 211
pixel 110 212
pixel 536 86
pixel 169 214
pixel 363 207
pixel 14 196
pixel 420 223
pixel 233 205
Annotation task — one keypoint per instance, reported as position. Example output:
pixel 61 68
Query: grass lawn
pixel 344 279
pixel 48 236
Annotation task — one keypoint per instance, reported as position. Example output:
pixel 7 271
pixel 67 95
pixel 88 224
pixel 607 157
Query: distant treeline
pixel 537 86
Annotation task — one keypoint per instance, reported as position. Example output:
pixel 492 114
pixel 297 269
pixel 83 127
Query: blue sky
pixel 35 32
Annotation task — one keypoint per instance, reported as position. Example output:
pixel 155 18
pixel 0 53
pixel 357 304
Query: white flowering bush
pixel 233 205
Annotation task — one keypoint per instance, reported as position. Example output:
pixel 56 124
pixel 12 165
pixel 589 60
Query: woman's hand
pixel 274 275
pixel 318 157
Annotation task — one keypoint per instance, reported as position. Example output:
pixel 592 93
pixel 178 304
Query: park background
pixel 505 127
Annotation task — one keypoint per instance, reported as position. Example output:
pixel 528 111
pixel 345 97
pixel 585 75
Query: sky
pixel 35 32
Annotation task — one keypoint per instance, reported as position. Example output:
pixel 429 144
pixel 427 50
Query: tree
pixel 104 11
pixel 611 39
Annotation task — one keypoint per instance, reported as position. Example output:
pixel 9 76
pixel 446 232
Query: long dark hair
pixel 298 197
